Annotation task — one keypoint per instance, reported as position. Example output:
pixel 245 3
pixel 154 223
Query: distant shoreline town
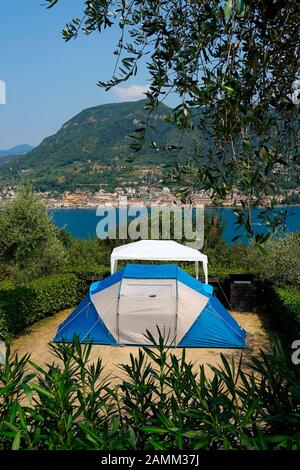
pixel 145 196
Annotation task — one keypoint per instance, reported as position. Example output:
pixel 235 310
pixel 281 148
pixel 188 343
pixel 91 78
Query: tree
pixel 29 242
pixel 233 65
pixel 281 264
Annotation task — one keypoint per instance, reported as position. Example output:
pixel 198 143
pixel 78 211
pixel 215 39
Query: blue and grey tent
pixel 120 309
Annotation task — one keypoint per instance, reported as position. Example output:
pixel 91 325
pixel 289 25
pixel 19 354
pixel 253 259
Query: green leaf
pixel 51 3
pixel 91 433
pixel 228 9
pixel 240 7
pixel 154 429
pixel 229 90
pixel 16 442
pixel 157 445
pixel 194 434
pixel 42 391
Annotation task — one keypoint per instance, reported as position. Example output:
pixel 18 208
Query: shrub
pixel 162 402
pixel 87 274
pixel 5 285
pixel 285 305
pixel 281 262
pixel 86 253
pixel 29 241
pixel 22 306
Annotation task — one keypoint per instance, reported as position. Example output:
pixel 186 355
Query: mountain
pixel 93 148
pixel 17 150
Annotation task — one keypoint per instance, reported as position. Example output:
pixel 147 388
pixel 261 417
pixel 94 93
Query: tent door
pixel 146 304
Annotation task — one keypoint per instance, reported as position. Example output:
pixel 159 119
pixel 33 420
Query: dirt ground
pixel 36 340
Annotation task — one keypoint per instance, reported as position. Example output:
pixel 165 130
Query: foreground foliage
pixel 160 401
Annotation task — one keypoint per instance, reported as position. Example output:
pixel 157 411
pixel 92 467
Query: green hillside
pixel 92 149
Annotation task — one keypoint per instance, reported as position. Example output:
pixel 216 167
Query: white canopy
pixel 158 250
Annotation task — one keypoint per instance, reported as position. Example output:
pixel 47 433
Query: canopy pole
pixel 205 269
pixel 197 269
pixel 118 315
pixel 176 315
pixel 113 265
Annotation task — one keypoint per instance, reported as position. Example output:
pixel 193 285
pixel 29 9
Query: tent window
pixel 148 290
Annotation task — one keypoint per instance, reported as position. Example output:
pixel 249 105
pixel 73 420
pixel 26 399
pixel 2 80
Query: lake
pixel 81 223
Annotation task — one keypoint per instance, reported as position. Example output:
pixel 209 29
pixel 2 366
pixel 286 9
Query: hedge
pixel 285 305
pixel 6 285
pixel 22 306
pixel 87 274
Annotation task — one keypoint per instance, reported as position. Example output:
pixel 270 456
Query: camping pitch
pixel 121 308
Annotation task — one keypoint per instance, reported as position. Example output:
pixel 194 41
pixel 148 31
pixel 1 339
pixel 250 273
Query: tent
pixel 120 309
pixel 158 250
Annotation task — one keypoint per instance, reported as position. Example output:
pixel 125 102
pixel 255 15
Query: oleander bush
pixel 21 306
pixel 162 402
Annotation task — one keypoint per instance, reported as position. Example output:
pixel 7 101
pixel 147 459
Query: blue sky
pixel 47 80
